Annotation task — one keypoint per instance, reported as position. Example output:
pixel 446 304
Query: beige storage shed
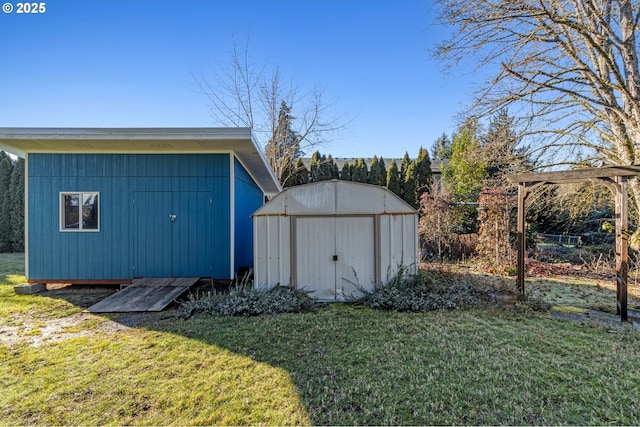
pixel 332 238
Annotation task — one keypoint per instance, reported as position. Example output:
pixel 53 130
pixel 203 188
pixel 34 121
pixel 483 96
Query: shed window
pixel 79 211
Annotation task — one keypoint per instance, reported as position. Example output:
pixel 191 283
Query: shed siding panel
pixel 398 244
pixel 108 254
pixel 272 254
pixel 410 249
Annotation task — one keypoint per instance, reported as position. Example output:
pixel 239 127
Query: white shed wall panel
pixel 398 244
pixel 272 251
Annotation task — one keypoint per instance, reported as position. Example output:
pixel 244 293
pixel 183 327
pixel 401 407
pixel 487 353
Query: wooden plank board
pixel 184 281
pixel 154 281
pixel 167 297
pixel 148 294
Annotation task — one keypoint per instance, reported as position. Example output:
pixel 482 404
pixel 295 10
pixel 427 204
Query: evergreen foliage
pixel 360 171
pixel 404 165
pixel 411 185
pixel 393 178
pixel 17 213
pixel 345 173
pixel 383 171
pixel 299 175
pixel 501 152
pixel 467 169
pixel 329 168
pixel 323 168
pixel 6 168
pixel 377 174
pixel 302 173
pixel 442 147
pixel 283 147
pixel 314 166
pixel 423 173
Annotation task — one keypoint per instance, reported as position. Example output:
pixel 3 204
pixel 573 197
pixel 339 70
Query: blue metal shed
pixel 110 205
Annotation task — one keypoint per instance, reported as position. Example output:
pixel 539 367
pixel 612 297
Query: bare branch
pixel 285 120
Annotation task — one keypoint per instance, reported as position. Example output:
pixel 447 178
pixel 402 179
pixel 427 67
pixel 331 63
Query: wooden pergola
pixel 616 179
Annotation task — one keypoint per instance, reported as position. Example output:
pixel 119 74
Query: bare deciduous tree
pixel 246 95
pixel 567 68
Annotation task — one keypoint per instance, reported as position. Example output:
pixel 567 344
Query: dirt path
pixel 36 332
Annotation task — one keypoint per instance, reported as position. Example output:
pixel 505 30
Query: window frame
pixel 80 228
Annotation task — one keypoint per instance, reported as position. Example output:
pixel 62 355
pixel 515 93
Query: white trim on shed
pixel 332 237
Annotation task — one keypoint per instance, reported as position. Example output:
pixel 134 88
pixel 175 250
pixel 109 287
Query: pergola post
pixel 622 245
pixel 522 237
pixel 615 177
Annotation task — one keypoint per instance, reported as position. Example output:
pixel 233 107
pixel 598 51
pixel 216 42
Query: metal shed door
pixel 335 255
pixel 172 233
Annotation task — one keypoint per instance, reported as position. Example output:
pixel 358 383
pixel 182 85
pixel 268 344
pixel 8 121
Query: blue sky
pixel 96 63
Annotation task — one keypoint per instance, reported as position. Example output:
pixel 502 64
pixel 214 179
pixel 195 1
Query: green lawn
pixel 340 365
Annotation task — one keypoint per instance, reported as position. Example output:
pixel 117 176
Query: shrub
pixel 425 291
pixel 244 300
pixel 439 228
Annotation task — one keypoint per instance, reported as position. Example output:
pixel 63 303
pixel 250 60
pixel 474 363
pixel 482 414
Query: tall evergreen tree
pixel 376 176
pixel 301 173
pixel 298 174
pixel 411 185
pixel 6 168
pixel 423 172
pixel 467 169
pixel 345 173
pixel 442 148
pixel 314 166
pixel 328 168
pixel 323 168
pixel 360 171
pixel 403 171
pixel 335 171
pixel 283 147
pixel 383 171
pixel 501 153
pixel 393 178
pixel 16 189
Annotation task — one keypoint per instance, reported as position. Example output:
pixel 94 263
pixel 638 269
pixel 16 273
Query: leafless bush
pixel 438 219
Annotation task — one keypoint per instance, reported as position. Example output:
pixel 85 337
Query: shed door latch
pixel 335 257
pixel 172 217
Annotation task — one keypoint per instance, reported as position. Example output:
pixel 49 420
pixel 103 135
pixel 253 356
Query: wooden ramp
pixel 148 294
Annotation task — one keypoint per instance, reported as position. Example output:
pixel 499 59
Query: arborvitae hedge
pixel 11 204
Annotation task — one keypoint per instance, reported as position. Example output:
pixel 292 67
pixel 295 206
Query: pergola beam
pixel 574 175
